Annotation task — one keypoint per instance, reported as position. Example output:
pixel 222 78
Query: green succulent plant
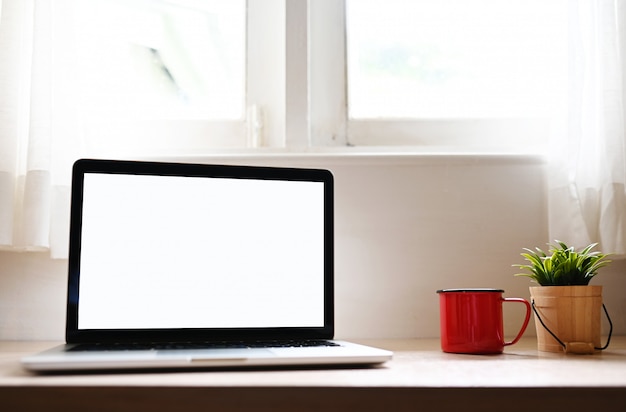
pixel 562 265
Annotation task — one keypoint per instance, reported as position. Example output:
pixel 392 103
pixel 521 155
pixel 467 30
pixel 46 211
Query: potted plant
pixel 567 309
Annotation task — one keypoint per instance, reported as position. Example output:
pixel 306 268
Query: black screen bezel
pixel 85 166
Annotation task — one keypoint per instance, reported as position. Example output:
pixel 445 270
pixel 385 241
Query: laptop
pixel 175 265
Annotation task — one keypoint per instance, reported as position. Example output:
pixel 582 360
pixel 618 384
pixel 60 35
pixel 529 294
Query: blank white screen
pixel 188 252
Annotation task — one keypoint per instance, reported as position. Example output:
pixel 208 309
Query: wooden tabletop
pixel 419 376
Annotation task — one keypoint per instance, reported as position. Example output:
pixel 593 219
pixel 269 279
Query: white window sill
pixel 352 155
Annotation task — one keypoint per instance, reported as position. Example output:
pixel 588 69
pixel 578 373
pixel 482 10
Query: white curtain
pixel 68 90
pixel 587 172
pixel 33 210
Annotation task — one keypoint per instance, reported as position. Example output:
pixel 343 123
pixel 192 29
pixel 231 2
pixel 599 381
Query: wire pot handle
pixel 577 347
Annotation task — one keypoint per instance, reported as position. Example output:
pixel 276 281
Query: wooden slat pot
pixel 572 313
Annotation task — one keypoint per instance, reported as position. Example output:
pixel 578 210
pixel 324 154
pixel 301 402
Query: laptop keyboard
pixel 86 347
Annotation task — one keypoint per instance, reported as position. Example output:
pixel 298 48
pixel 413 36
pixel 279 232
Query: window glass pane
pixel 455 58
pixel 176 58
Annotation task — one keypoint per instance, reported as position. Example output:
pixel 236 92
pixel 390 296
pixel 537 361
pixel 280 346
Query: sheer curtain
pixel 587 171
pixel 33 210
pixel 107 79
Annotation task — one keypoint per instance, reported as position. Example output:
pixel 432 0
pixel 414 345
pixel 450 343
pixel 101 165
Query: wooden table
pixel 420 377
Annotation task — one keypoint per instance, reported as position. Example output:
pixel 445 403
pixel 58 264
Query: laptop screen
pixel 192 247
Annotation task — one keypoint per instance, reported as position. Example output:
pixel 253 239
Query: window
pixel 183 59
pixel 454 59
pixel 186 76
pixel 454 73
pixel 150 77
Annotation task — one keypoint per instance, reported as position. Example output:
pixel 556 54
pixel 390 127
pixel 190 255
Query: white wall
pixel 405 227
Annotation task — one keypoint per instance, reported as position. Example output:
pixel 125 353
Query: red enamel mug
pixel 471 320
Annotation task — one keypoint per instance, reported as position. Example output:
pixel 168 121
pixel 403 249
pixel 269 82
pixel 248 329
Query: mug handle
pixel 523 329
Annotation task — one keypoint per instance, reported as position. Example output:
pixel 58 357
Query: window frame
pixel 297 101
pixel 329 92
pixel 145 135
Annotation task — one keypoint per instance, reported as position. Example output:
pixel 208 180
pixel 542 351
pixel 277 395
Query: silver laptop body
pixel 199 266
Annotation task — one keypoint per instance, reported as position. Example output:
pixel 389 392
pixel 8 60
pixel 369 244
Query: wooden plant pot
pixel 571 313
